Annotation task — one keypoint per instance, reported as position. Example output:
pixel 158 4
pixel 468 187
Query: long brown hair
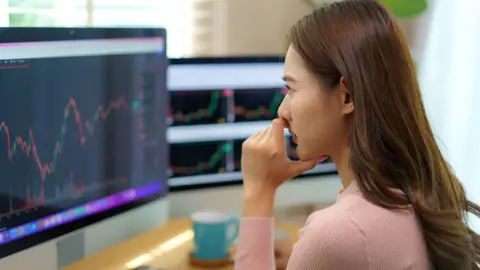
pixel 392 144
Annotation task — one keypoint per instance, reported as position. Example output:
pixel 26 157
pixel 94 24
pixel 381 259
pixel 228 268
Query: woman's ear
pixel 347 98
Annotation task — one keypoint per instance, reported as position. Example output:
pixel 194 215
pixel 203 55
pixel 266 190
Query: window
pixel 175 15
pixel 45 13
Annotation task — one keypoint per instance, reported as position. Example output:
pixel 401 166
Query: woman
pixel 354 96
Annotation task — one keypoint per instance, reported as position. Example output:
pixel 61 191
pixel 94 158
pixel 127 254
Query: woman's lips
pixel 322 159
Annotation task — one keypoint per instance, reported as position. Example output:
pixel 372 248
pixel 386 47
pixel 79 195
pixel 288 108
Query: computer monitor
pixel 215 104
pixel 82 139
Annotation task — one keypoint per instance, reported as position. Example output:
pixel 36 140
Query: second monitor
pixel 215 104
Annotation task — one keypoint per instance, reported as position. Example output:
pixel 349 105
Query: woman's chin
pixel 310 156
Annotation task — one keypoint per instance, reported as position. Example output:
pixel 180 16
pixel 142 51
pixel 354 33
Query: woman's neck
pixel 342 162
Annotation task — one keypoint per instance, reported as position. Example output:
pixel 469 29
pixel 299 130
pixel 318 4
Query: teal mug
pixel 214 233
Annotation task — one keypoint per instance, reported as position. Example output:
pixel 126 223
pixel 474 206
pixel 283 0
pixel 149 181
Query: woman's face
pixel 316 116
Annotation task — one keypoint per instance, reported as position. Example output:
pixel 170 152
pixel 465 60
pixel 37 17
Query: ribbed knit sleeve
pixel 328 243
pixel 324 243
pixel 255 246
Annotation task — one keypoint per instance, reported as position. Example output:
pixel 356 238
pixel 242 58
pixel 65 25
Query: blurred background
pixel 195 27
pixel 237 36
pixel 443 36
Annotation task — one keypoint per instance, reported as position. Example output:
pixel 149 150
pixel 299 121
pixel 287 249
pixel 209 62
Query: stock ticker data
pixel 257 104
pixel 203 158
pixel 198 107
pixel 70 133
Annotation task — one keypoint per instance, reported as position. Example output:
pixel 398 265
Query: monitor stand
pixel 70 249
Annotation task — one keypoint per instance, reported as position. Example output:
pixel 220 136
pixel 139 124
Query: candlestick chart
pixel 34 168
pixel 196 158
pixel 197 107
pixel 257 104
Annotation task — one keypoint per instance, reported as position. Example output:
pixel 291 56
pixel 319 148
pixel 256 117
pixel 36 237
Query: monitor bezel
pixel 48 34
pixel 228 60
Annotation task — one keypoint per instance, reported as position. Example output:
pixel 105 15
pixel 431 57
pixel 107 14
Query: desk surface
pixel 166 247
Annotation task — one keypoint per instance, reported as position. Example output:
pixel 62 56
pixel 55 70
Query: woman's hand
pixel 265 165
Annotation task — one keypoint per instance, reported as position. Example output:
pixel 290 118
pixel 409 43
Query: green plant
pixel 406 8
pixel 401 8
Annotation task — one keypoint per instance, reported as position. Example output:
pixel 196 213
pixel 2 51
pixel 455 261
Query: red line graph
pixel 18 144
pixel 15 66
pixel 69 190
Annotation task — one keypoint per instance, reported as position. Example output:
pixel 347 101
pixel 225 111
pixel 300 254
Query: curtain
pixel 449 73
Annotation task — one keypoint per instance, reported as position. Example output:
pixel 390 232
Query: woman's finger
pixel 277 131
pixel 255 135
pixel 265 134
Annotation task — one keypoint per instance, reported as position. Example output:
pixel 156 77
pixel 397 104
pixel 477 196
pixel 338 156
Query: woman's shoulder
pixel 333 225
pixel 354 211
pixel 368 229
pixel 331 239
pixel 335 217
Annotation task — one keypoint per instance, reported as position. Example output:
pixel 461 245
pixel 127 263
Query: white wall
pixel 259 27
pixel 450 79
pixel 246 27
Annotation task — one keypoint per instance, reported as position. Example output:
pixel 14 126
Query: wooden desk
pixel 167 248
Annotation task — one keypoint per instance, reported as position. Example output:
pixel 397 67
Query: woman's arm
pixel 265 166
pixel 255 247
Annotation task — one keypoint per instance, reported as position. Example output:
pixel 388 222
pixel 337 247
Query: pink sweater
pixel 352 234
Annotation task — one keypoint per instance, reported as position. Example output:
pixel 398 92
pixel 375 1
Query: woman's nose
pixel 283 111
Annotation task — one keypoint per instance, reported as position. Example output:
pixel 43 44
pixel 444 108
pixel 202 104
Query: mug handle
pixel 233 227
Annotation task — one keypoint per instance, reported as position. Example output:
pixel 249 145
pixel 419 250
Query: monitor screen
pixel 215 104
pixel 81 130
